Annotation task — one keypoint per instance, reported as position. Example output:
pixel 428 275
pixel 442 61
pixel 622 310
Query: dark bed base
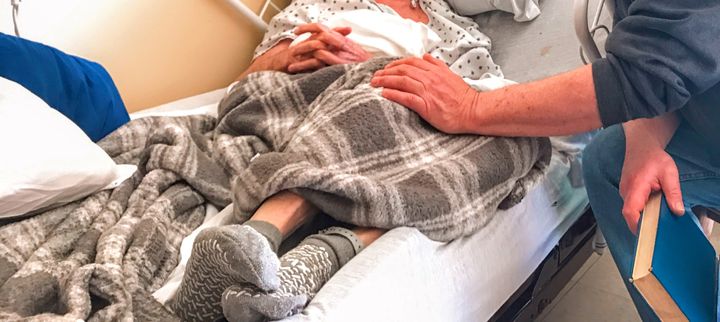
pixel 556 270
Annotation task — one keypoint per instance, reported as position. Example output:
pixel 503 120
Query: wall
pixel 156 50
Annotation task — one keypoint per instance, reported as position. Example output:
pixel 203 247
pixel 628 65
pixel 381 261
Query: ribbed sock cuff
pixel 271 233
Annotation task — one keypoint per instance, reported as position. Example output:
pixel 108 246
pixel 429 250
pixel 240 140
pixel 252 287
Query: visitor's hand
pixel 324 47
pixel 428 87
pixel 647 168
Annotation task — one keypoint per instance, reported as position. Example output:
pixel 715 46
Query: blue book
pixel 676 267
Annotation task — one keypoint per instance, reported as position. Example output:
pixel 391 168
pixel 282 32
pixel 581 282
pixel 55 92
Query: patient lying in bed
pixel 308 36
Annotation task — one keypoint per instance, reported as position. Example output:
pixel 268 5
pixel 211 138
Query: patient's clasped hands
pixel 428 87
pixel 325 47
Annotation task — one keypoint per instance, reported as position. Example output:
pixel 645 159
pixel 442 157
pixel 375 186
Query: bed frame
pixel 556 270
pixel 582 238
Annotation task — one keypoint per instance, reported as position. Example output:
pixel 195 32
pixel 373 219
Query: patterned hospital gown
pixel 464 48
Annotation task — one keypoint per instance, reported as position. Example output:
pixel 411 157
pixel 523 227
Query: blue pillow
pixel 80 89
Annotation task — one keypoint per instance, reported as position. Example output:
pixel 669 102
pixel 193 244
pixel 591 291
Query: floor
pixel 594 294
pixel 597 294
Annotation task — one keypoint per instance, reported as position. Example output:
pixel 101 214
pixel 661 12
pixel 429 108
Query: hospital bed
pixel 513 268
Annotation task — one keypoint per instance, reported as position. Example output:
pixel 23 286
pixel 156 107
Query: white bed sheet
pixel 404 276
pixel 205 103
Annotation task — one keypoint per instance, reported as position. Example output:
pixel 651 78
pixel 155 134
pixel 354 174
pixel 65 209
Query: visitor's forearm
pixel 559 105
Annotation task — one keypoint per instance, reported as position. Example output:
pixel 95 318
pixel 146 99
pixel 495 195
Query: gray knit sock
pixel 271 233
pixel 303 271
pixel 225 256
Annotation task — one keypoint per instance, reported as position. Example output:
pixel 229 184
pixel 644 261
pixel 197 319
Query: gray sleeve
pixel 659 56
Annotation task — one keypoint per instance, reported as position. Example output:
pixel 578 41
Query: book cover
pixel 675 267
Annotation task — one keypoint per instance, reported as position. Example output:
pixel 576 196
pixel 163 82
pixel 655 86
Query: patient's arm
pixel 560 105
pixel 325 47
pixel 281 57
pixel 276 58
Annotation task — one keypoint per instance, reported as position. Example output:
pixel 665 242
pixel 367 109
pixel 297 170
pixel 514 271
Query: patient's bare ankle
pixel 285 210
pixel 368 235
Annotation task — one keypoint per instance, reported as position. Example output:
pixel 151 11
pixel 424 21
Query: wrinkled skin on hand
pixel 325 47
pixel 428 87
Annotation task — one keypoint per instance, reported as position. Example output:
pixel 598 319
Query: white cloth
pixel 463 47
pixel 47 160
pixel 523 10
pixel 488 82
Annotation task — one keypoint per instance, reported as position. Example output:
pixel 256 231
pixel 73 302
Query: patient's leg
pixel 303 271
pixel 238 254
pixel 286 211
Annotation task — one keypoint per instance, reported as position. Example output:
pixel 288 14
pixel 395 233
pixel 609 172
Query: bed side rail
pixel 585 31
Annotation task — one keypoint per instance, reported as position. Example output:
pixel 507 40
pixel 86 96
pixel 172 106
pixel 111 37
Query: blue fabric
pixel 684 261
pixel 79 89
pixel 602 165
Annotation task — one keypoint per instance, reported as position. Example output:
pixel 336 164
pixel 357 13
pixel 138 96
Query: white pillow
pixel 45 159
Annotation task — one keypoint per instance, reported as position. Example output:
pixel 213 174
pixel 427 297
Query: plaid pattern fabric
pixel 327 136
pixel 331 138
pixel 100 258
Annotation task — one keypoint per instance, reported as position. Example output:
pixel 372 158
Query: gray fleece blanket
pixel 100 258
pixel 326 135
pixel 333 139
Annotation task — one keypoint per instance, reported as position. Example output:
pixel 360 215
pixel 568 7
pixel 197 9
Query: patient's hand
pixel 428 87
pixel 325 47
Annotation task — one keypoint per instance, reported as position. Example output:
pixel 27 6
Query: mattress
pixel 405 276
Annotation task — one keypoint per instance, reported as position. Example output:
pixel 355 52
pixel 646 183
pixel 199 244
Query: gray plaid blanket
pixel 327 136
pixel 100 258
pixel 331 138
